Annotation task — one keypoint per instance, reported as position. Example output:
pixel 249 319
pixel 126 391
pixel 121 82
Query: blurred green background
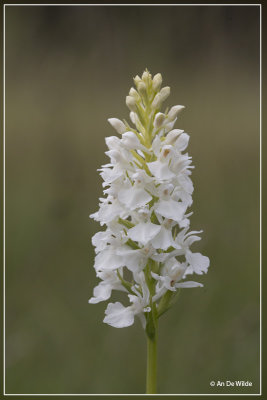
pixel 68 69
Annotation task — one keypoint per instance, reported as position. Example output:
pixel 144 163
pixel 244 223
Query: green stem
pixel 151 377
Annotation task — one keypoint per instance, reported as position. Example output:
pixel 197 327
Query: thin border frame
pixel 260 152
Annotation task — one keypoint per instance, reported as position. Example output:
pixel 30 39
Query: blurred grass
pixel 68 69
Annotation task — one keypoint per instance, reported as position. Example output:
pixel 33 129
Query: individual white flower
pixel 170 278
pixel 161 168
pixel 119 316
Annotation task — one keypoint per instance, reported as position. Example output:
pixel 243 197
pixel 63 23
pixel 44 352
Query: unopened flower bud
pixel 157 101
pixel 173 136
pixel 145 77
pixel 159 119
pixel 134 118
pixel 117 124
pixel 141 88
pixel 133 93
pixel 137 79
pixel 130 102
pixel 157 81
pixel 165 92
pixel 174 111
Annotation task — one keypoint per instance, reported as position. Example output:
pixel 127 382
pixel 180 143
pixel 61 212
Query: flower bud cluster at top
pixel 145 249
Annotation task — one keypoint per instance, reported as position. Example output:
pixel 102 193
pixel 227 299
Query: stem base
pixel 151 377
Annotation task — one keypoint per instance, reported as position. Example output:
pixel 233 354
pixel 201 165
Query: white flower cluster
pixel 145 249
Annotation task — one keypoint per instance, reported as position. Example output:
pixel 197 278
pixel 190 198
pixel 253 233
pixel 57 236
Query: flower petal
pixel 198 263
pixel 134 260
pixel 163 240
pixel 182 142
pixel 160 170
pixel 131 141
pixel 134 197
pixel 188 284
pixel 108 260
pixel 172 136
pixel 119 316
pixel 102 292
pixel 143 232
pixel 109 211
pixel 100 240
pixel 171 209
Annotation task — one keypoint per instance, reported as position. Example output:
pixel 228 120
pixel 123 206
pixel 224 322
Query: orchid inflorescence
pixel 145 249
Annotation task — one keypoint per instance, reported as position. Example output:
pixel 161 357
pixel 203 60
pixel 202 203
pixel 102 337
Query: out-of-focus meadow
pixel 68 69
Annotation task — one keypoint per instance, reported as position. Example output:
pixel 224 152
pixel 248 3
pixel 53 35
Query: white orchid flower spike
pixel 144 250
